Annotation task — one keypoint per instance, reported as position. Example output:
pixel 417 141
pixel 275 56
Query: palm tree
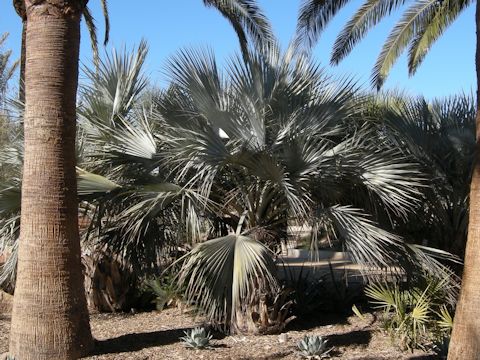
pixel 165 174
pixel 440 135
pixel 274 143
pixel 49 281
pixel 49 296
pixel 422 23
pixel 253 149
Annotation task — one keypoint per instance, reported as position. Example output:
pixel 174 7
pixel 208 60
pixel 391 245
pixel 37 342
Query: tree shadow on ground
pixel 315 320
pixel 138 341
pixel 357 337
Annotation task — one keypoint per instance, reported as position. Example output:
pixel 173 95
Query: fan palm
pixel 265 144
pixel 275 142
pixel 441 137
pixel 49 200
pixel 422 23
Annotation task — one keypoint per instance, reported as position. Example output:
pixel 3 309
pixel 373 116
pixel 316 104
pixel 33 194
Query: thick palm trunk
pixel 50 318
pixel 465 340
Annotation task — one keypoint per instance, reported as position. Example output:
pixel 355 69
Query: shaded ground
pixel 156 336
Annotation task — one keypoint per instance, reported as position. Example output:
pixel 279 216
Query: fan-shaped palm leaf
pixel 221 275
pixel 114 86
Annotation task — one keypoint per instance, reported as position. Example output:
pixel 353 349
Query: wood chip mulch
pixel 155 335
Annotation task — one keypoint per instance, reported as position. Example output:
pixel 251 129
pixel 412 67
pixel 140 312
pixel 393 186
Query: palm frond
pixel 404 31
pixel 104 4
pixel 92 184
pixel 313 17
pixel 366 242
pixel 249 23
pixel 114 87
pixel 365 18
pixel 431 29
pixel 221 275
pixel 92 31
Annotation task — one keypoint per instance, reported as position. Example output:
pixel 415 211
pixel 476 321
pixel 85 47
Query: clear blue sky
pixel 171 24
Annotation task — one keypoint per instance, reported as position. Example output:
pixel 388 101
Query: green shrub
pixel 415 317
pixel 164 290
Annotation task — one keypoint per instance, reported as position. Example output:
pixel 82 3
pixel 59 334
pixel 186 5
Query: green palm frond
pixel 92 31
pixel 104 5
pixel 446 319
pixel 313 17
pixel 383 296
pixel 421 24
pixel 365 18
pixel 249 23
pixel 221 275
pixel 404 31
pixel 431 29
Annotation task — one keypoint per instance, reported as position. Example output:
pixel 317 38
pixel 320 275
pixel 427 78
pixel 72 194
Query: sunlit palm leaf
pixel 115 86
pixel 90 184
pixel 431 29
pixel 220 276
pixel 366 17
pixel 403 32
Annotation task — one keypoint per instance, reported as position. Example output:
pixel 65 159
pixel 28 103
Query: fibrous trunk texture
pixel 465 340
pixel 50 318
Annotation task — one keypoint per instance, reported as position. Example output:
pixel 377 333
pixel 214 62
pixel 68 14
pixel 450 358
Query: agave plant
pixel 313 347
pixel 197 338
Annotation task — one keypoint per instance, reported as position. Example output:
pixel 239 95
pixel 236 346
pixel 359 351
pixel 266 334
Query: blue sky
pixel 172 24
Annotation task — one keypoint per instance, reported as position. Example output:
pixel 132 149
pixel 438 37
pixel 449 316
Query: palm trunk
pixel 465 340
pixel 50 318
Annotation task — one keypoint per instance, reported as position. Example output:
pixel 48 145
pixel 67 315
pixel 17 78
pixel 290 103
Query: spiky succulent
pixel 313 347
pixel 197 338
